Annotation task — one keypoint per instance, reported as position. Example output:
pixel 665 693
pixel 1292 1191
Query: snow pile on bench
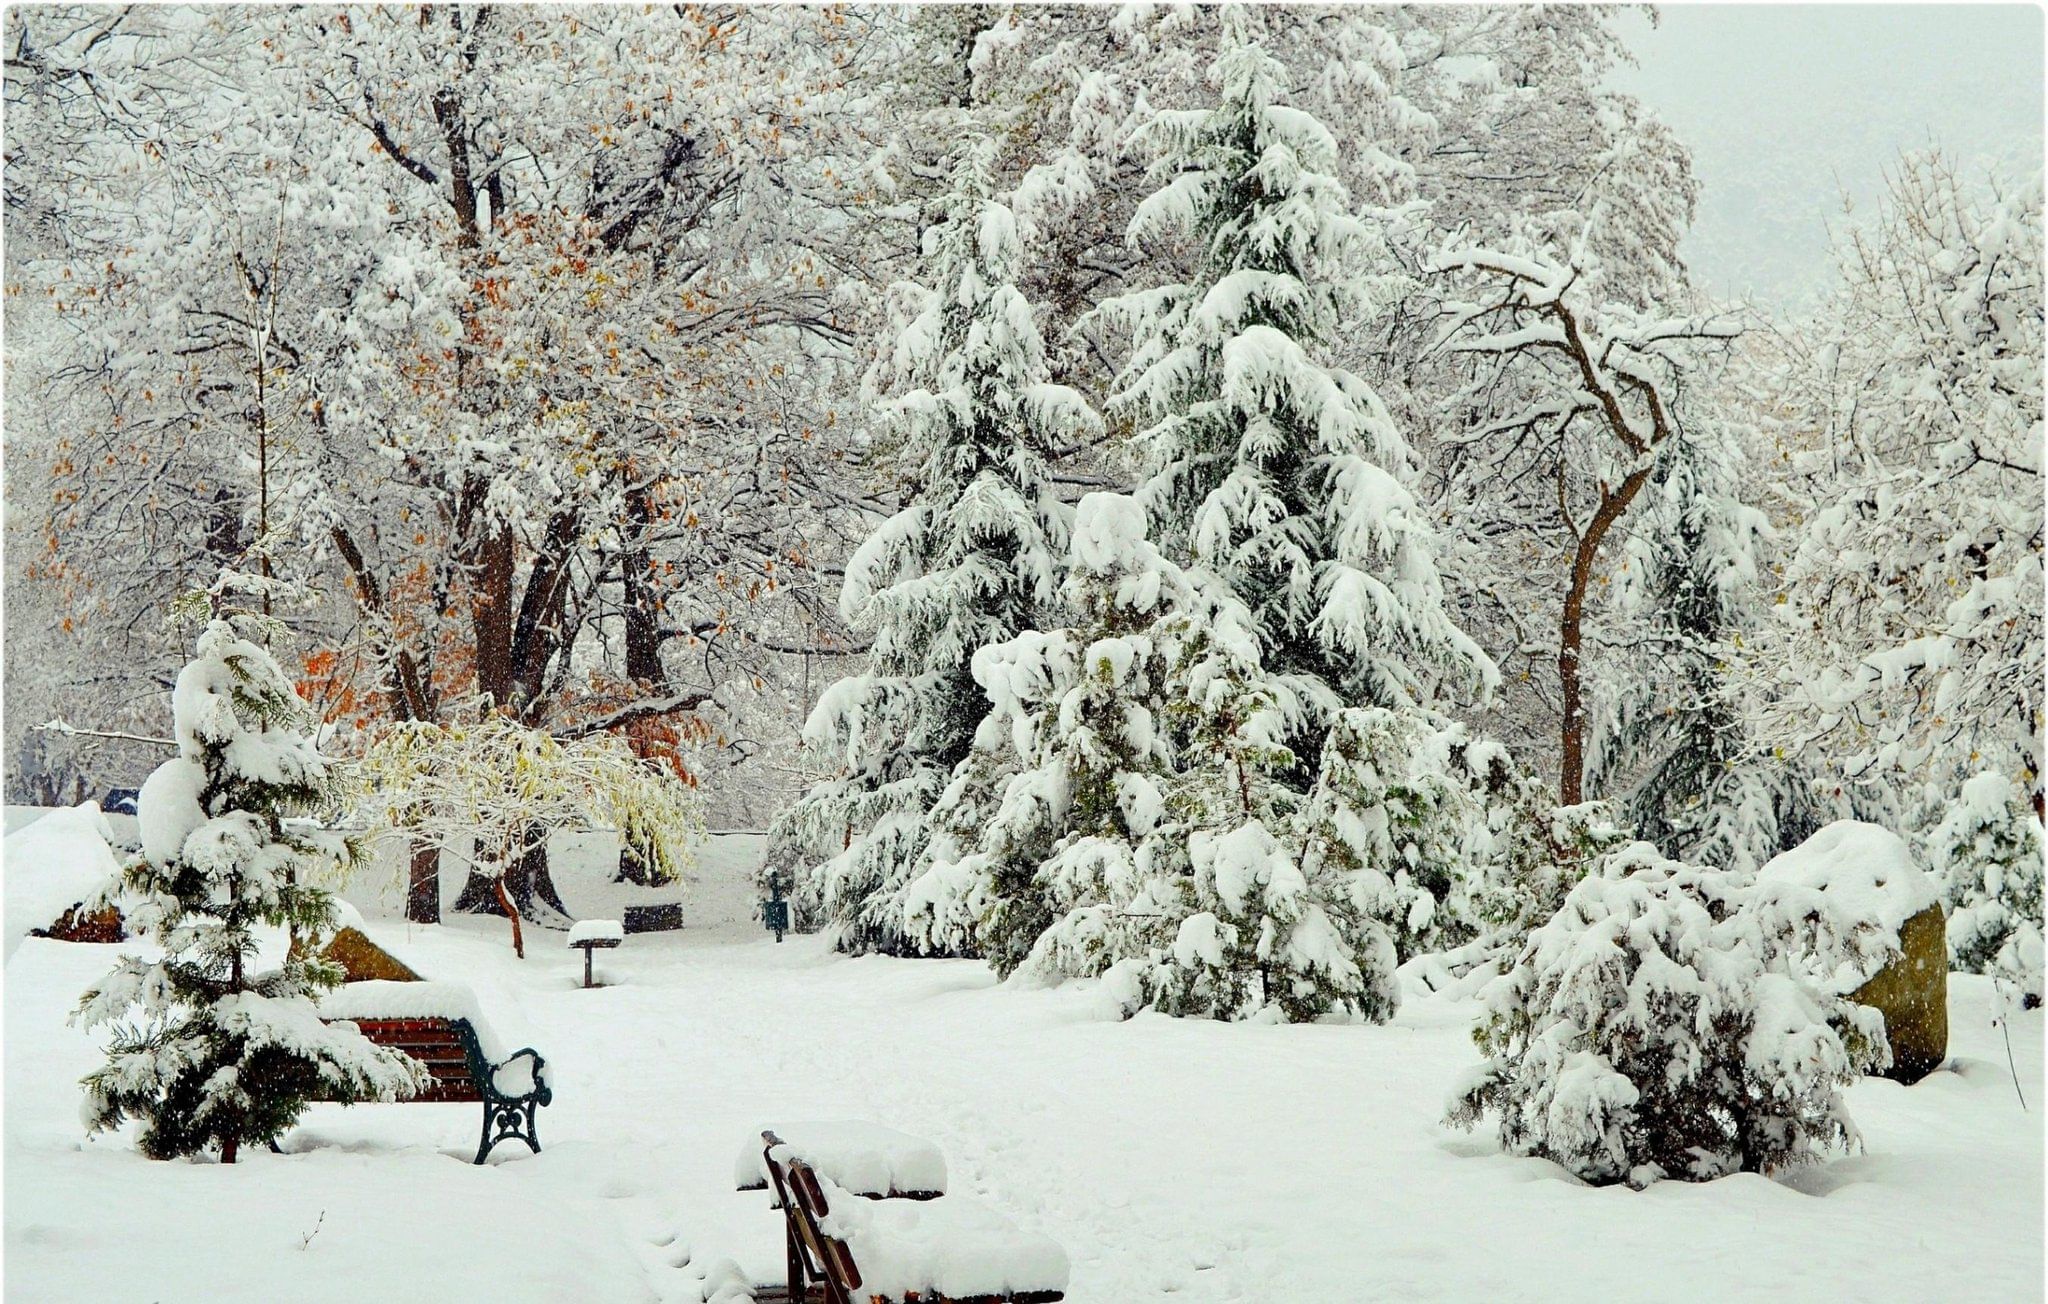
pixel 956 1247
pixel 596 930
pixel 1837 901
pixel 396 1000
pixel 53 864
pixel 864 1158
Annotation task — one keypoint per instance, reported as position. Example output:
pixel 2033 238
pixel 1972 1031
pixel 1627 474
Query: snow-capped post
pixel 481 791
pixel 222 1055
pixel 591 935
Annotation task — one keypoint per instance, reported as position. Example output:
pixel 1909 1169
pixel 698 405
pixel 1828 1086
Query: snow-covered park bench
pixel 439 1025
pixel 889 1238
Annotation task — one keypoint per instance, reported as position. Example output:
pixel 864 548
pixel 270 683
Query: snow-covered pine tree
pixel 1689 777
pixel 1080 831
pixel 1987 852
pixel 970 418
pixel 1262 933
pixel 223 1054
pixel 1390 816
pixel 1265 464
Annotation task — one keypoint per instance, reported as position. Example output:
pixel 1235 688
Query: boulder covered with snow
pixel 56 863
pixel 1861 919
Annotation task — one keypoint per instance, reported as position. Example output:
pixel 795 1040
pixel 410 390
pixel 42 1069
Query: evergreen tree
pixel 969 416
pixel 1700 787
pixel 1267 465
pixel 1080 825
pixel 1389 816
pixel 1142 832
pixel 1987 852
pixel 223 1054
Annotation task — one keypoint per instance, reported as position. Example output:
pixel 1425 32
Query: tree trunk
pixel 1571 777
pixel 479 895
pixel 529 878
pixel 228 1149
pixel 526 879
pixel 642 603
pixel 491 613
pixel 423 885
pixel 511 913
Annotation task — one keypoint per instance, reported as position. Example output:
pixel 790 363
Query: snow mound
pixel 55 863
pixel 864 1158
pixel 955 1247
pixel 1858 869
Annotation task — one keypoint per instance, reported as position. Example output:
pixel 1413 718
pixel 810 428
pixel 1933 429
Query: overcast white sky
pixel 1786 107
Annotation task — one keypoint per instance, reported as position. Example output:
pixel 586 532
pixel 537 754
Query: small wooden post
pixel 587 945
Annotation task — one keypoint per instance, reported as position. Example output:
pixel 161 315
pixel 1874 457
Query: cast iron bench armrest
pixel 506 1115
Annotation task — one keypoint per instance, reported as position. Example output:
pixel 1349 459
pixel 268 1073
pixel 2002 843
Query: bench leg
pixel 795 1256
pixel 516 1120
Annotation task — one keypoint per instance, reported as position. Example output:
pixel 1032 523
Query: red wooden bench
pixel 512 1091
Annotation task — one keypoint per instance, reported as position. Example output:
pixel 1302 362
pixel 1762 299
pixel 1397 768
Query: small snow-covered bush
pixel 1987 852
pixel 1392 820
pixel 1644 1032
pixel 1260 939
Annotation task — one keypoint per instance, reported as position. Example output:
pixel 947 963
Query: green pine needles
pixel 207 1050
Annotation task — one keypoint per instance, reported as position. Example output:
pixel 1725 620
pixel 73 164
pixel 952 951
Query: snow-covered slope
pixel 1172 1160
pixel 52 863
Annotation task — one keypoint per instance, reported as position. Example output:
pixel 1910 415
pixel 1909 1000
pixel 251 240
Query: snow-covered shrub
pixel 1650 1030
pixel 1259 938
pixel 489 787
pixel 205 1050
pixel 1537 853
pixel 1393 821
pixel 1987 852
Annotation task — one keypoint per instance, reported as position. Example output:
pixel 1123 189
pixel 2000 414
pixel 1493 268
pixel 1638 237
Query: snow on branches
pixel 1653 1029
pixel 1268 466
pixel 486 791
pixel 963 398
pixel 206 1050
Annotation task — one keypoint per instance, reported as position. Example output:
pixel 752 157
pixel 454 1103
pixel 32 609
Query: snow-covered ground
pixel 1173 1160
